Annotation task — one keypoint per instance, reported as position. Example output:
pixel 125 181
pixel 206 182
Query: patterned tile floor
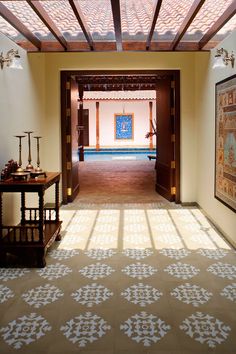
pixel 124 279
pixel 132 274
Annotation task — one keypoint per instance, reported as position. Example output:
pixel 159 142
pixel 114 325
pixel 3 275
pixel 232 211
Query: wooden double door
pixel 167 137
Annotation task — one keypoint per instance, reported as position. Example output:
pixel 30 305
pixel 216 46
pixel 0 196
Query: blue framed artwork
pixel 124 126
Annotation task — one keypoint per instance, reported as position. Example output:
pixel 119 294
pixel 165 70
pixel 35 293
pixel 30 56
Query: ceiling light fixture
pixel 222 58
pixel 12 59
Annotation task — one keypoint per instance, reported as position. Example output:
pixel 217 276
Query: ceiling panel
pixel 29 18
pixel 207 16
pixel 88 25
pixel 98 16
pixel 136 17
pixel 64 18
pixel 171 16
pixel 9 30
pixel 226 30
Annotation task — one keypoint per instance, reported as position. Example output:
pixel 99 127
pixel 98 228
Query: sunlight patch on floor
pixel 136 233
pixel 139 228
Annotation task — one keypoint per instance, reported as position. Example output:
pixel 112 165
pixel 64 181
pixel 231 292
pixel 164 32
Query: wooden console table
pixel 28 242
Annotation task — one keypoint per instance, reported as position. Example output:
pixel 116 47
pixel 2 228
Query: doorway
pixel 167 86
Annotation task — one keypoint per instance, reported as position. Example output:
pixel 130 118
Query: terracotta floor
pixel 118 182
pixel 136 275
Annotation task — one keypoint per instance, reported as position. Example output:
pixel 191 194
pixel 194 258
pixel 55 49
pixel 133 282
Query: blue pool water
pixel 117 154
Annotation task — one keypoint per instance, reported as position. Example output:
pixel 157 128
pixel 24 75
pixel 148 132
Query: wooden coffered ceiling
pixel 117 25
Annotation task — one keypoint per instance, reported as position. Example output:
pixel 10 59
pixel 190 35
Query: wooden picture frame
pixel 225 142
pixel 124 126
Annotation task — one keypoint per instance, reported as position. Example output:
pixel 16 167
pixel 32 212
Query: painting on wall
pixel 124 124
pixel 225 145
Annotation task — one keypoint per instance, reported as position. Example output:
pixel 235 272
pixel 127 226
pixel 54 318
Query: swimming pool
pixel 117 154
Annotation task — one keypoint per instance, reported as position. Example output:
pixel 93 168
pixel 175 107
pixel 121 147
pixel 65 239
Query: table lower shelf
pixel 23 246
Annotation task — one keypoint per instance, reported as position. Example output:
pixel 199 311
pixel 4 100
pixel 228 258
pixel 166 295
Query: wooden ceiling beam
pixel 225 17
pixel 77 46
pixel 194 9
pixel 19 26
pixel 115 5
pixel 43 15
pixel 80 18
pixel 153 23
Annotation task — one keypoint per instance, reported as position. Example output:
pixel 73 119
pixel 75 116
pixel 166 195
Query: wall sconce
pixel 222 58
pixel 12 59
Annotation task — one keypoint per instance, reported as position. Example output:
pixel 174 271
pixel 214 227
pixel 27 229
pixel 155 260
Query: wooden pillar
pixel 97 127
pixel 150 126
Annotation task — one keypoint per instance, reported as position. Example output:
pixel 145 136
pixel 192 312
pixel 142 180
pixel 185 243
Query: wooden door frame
pixel 175 74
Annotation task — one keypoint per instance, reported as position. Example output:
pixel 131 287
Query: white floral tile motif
pixel 139 270
pixel 54 271
pixel 42 295
pixel 168 238
pixel 105 228
pixel 76 228
pixel 136 238
pixel 81 219
pixel 191 294
pixel 108 219
pixel 25 330
pixel 12 273
pixel 205 329
pixel 92 294
pixel 212 253
pixel 61 254
pixel 223 270
pixel 85 328
pixel 99 254
pixel 166 227
pixel 95 271
pixel 229 292
pixel 141 294
pixel 182 270
pixel 201 239
pixel 136 219
pixel 175 253
pixel 192 226
pixel 103 239
pixel 71 240
pixel 137 254
pixel 144 328
pixel 137 227
pixel 5 293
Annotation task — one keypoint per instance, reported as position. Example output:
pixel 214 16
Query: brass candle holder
pixel 20 169
pixel 38 169
pixel 29 167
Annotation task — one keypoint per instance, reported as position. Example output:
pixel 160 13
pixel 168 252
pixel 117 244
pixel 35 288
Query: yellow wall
pixel 30 99
pixel 22 108
pixel 206 78
pixel 121 61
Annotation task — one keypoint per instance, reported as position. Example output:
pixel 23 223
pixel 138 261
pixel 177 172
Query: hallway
pixel 118 182
pixel 127 277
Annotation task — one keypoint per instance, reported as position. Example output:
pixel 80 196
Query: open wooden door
pixel 70 161
pixel 84 124
pixel 167 166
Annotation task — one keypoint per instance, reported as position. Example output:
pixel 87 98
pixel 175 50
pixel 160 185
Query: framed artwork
pixel 124 126
pixel 225 142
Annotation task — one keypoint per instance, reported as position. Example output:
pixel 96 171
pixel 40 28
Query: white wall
pixel 107 109
pixel 205 79
pixel 22 107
